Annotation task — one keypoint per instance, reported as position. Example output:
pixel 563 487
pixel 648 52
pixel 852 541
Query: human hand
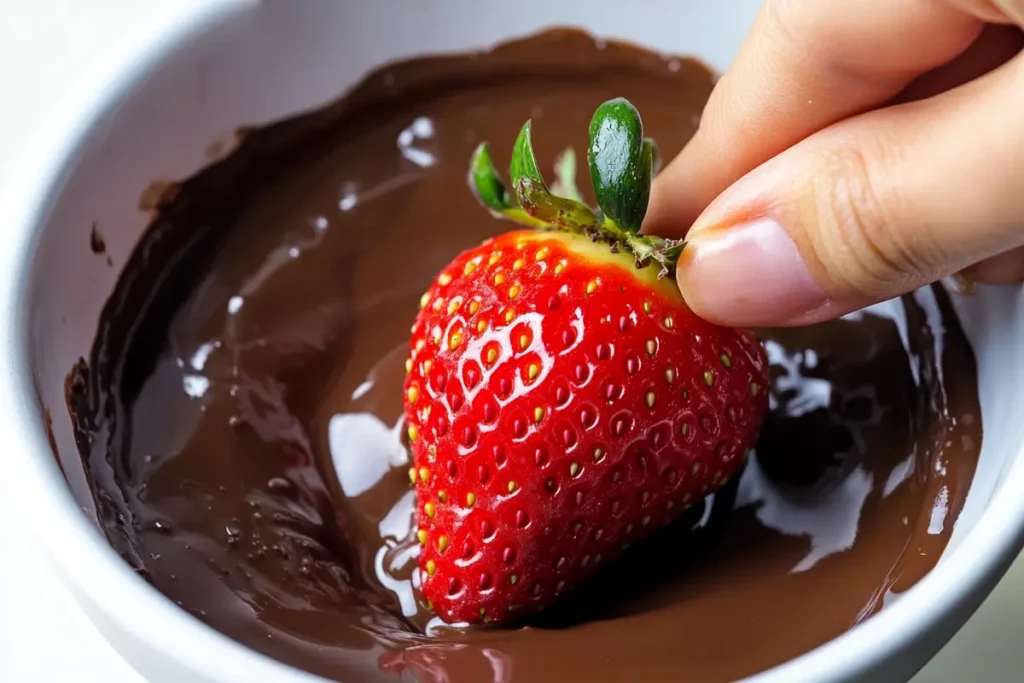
pixel 854 151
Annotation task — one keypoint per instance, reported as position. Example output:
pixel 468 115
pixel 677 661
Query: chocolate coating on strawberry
pixel 562 400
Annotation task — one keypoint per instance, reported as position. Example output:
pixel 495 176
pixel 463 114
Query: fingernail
pixel 748 275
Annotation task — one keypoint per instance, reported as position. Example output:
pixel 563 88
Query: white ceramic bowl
pixel 203 68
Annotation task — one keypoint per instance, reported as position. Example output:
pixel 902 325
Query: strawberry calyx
pixel 622 164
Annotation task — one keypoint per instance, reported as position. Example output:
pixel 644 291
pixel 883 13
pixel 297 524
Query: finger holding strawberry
pixel 562 400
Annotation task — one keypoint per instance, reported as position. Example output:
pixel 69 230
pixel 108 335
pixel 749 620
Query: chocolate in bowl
pixel 239 416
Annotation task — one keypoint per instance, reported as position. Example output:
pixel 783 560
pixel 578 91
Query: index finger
pixel 804 66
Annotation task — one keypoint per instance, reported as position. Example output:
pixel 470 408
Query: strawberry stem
pixel 622 164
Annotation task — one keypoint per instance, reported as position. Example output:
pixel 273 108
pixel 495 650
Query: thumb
pixel 865 210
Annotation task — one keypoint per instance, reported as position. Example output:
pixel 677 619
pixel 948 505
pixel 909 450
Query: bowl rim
pixel 961 578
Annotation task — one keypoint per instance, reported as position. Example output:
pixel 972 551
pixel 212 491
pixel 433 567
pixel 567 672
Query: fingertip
pixel 748 275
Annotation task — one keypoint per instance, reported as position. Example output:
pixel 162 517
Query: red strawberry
pixel 562 400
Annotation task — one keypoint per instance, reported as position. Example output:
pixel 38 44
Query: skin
pixel 844 159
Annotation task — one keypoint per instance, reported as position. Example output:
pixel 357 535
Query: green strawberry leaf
pixel 650 144
pixel 565 176
pixel 536 199
pixel 621 164
pixel 490 190
pixel 484 180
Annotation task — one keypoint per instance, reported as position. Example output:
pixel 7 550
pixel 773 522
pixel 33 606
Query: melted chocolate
pixel 239 416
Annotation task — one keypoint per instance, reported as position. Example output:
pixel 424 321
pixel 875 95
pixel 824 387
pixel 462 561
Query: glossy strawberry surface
pixel 560 403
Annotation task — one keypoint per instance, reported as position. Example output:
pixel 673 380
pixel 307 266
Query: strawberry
pixel 562 400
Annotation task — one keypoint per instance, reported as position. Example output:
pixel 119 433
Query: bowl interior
pixel 186 111
pixel 187 107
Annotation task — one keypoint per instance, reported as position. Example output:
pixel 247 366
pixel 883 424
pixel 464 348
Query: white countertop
pixel 44 636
